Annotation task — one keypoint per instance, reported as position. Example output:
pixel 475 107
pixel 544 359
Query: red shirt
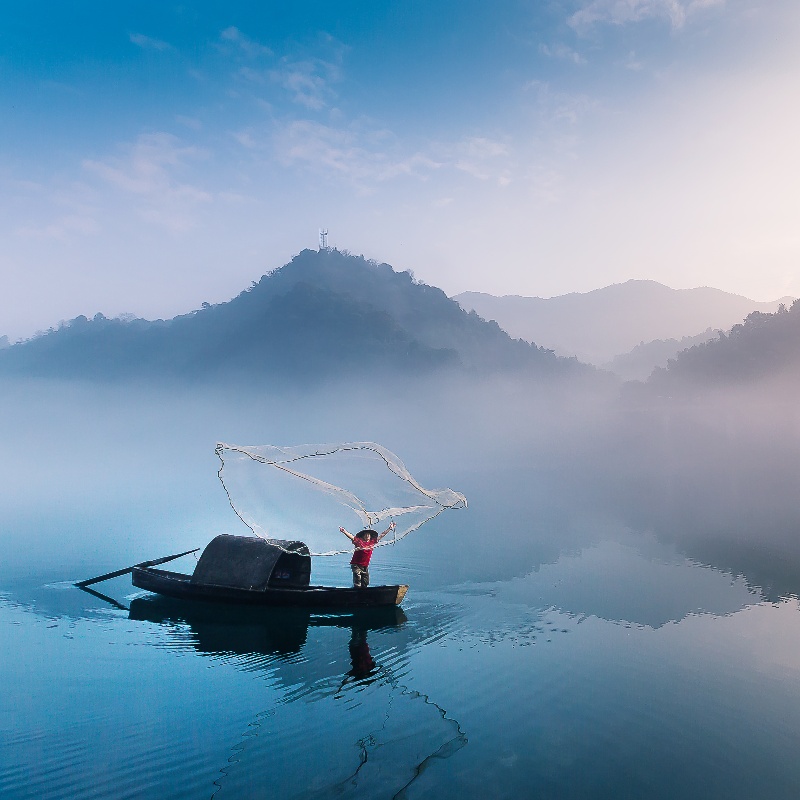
pixel 363 552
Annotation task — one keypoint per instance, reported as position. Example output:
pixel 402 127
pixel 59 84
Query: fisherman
pixel 364 543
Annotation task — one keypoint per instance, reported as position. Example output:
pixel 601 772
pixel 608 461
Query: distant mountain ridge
pixel 326 313
pixel 596 326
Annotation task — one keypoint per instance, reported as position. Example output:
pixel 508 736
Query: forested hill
pixel 324 313
pixel 763 348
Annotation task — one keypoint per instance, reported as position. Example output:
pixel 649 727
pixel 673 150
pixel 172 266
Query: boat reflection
pixel 214 628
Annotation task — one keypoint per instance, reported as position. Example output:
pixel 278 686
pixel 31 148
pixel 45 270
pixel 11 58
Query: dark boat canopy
pixel 246 562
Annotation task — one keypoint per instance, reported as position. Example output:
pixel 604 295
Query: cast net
pixel 307 492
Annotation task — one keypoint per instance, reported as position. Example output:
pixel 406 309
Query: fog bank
pixel 127 473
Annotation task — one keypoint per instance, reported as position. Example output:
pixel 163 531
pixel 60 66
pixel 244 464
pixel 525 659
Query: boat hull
pixel 176 584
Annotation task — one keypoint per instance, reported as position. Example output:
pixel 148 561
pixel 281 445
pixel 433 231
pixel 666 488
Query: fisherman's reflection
pixel 361 660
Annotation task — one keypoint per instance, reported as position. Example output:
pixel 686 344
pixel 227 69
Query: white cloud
pixel 345 153
pixel 246 45
pixel 365 156
pixel 632 62
pixel 482 148
pixel 561 51
pixel 307 76
pixel 308 82
pixel 149 170
pixel 621 12
pixel 247 139
pixel 148 43
pixel 557 106
pixel 482 158
pixel 190 122
pixel 252 75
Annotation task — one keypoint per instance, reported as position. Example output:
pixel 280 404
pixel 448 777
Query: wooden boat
pixel 251 571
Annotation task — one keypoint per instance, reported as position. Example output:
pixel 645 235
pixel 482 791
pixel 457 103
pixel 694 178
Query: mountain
pixel 325 313
pixel 639 363
pixel 596 326
pixel 762 349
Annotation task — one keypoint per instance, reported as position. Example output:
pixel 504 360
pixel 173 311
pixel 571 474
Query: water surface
pixel 545 648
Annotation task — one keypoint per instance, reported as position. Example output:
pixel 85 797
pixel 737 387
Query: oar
pixel 104 597
pixel 125 571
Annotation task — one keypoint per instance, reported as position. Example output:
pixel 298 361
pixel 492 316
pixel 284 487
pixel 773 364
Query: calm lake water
pixel 544 650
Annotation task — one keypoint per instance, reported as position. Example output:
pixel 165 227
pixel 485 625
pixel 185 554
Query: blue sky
pixel 154 156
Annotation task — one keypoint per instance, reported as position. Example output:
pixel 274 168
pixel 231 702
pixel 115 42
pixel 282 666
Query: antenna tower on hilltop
pixel 323 239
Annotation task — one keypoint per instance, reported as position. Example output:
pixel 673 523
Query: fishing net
pixel 307 492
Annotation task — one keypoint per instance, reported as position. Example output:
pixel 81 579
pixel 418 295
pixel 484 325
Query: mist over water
pixel 614 615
